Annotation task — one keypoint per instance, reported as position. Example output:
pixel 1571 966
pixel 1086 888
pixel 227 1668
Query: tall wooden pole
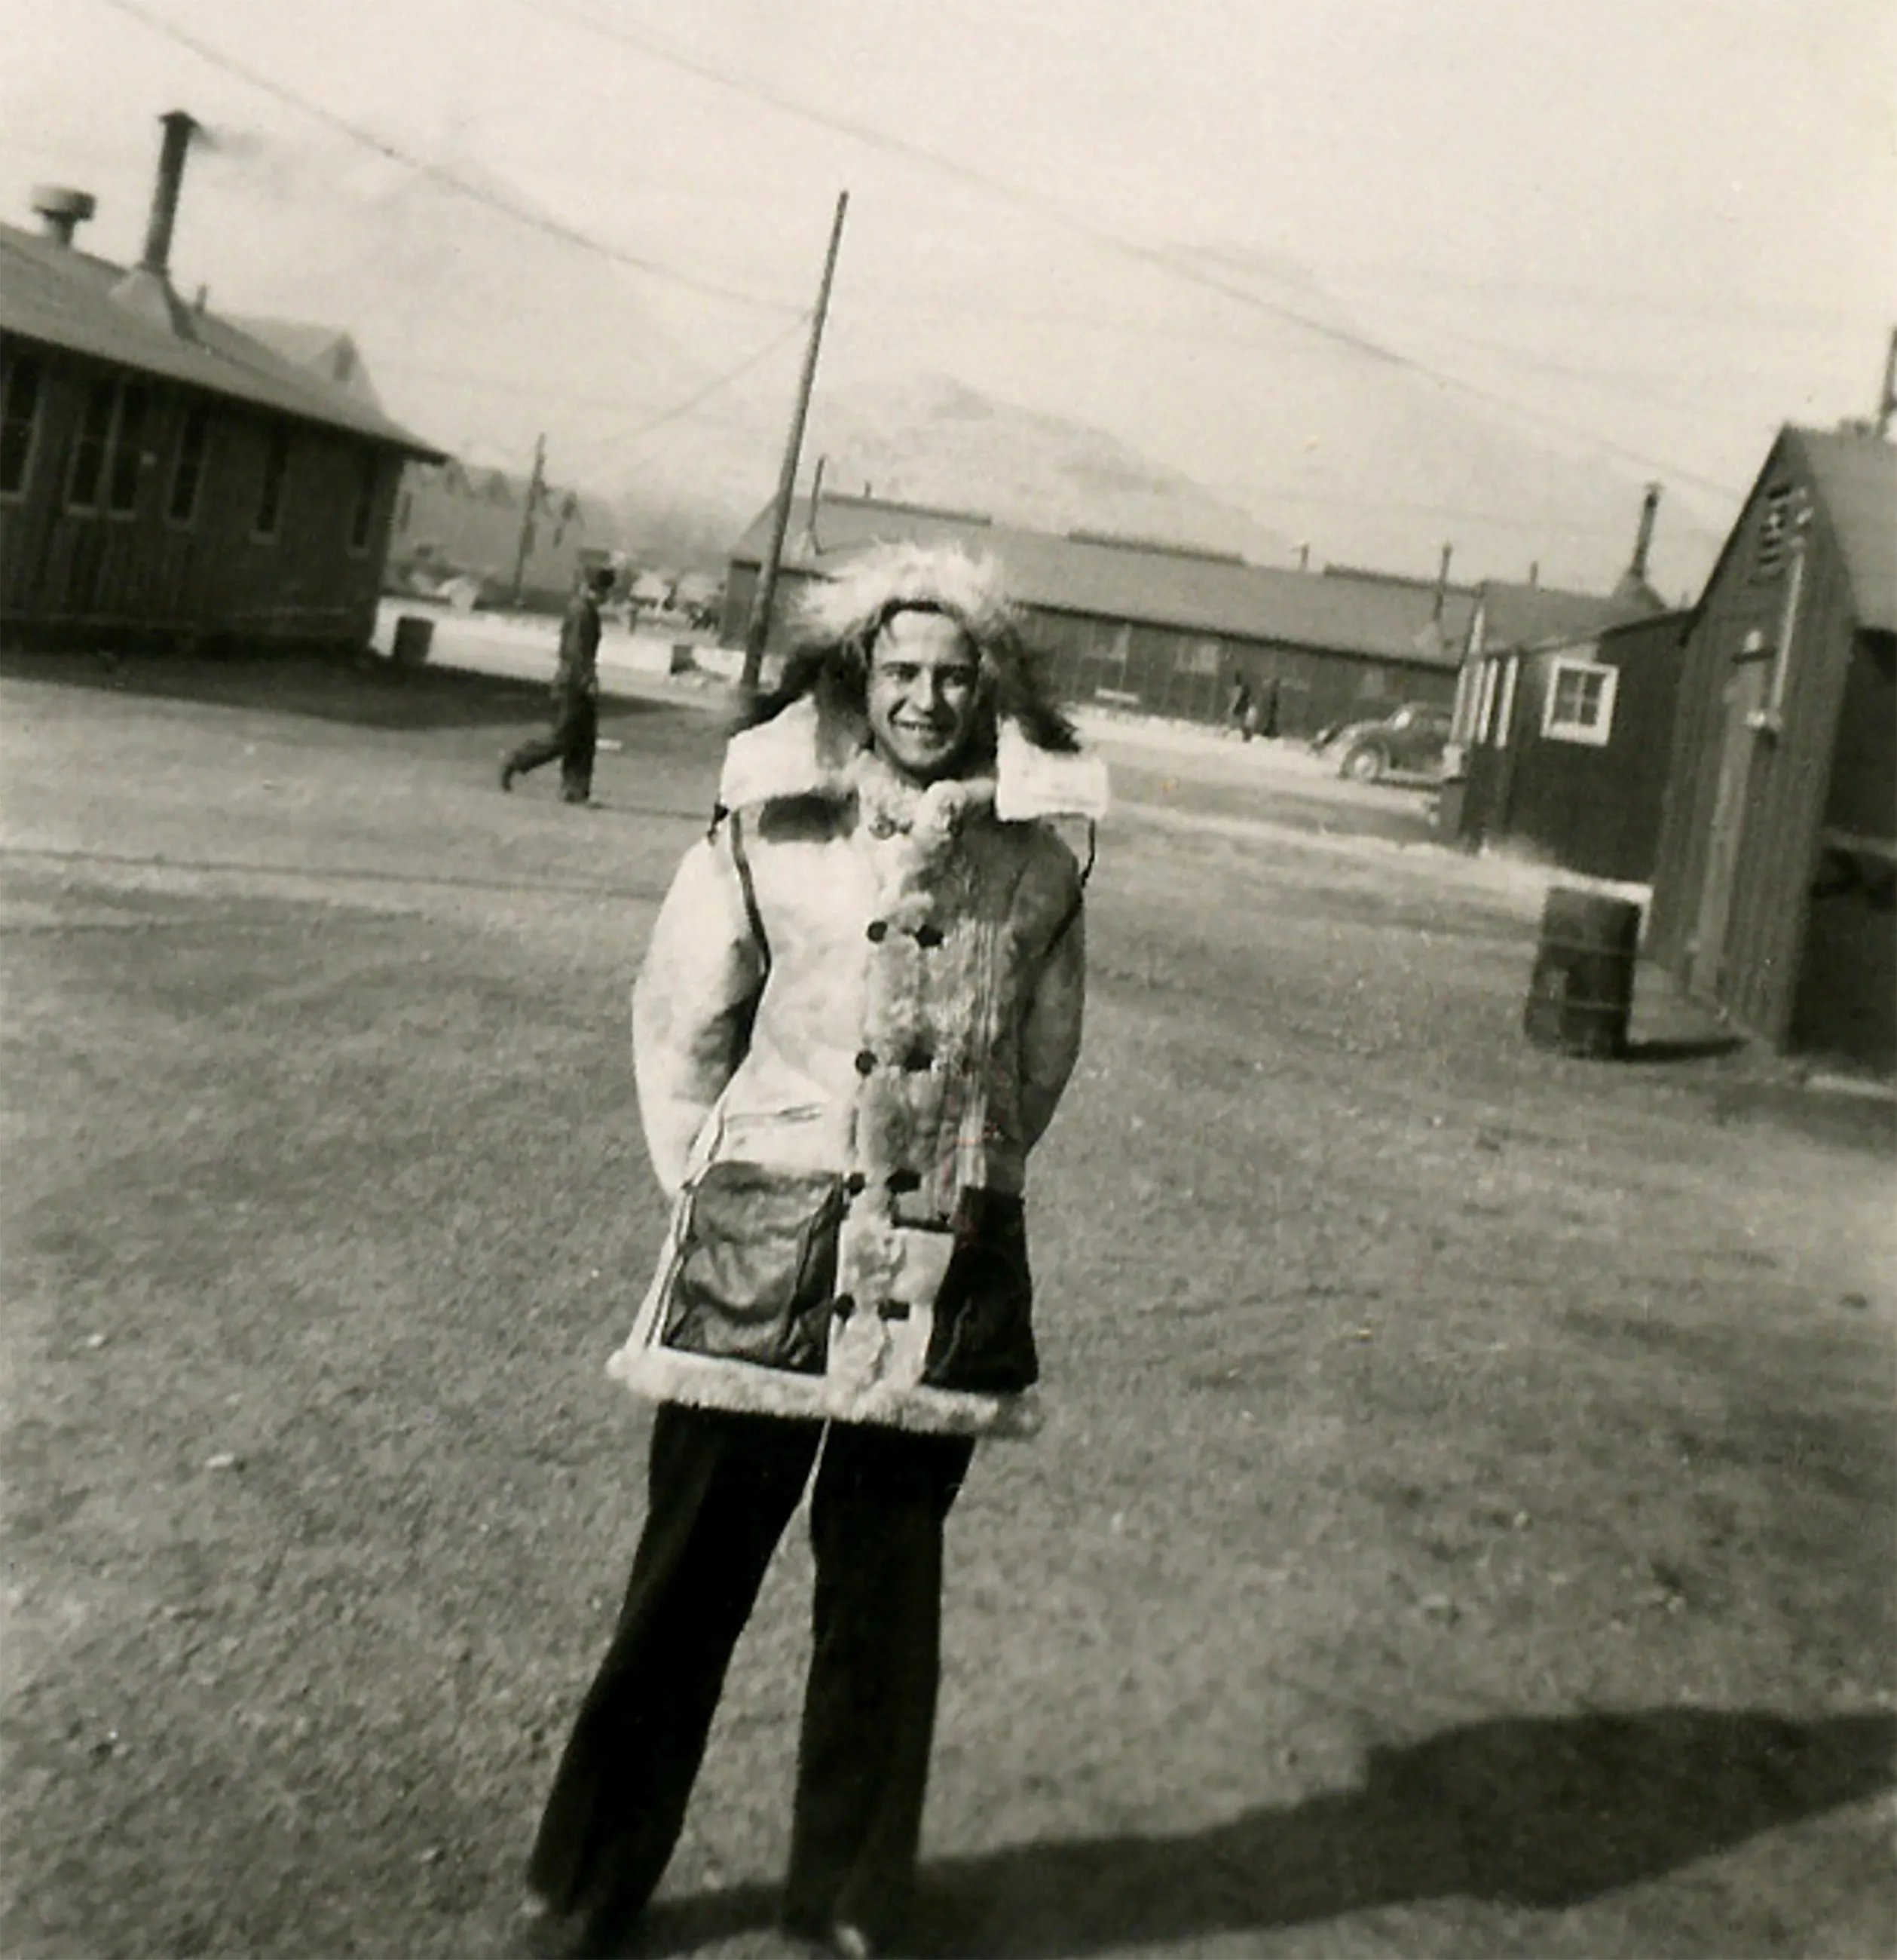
pixel 536 484
pixel 759 630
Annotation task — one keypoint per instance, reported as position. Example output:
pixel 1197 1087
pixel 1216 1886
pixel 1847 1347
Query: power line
pixel 720 381
pixel 715 385
pixel 644 42
pixel 1164 259
pixel 502 384
pixel 506 203
pixel 1167 261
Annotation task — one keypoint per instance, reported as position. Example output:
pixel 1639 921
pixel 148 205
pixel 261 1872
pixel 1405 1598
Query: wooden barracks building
pixel 1162 628
pixel 165 475
pixel 1166 629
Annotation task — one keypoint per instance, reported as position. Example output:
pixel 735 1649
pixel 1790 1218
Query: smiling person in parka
pixel 860 1006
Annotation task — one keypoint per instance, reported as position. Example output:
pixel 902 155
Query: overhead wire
pixel 543 391
pixel 1167 260
pixel 644 41
pixel 718 382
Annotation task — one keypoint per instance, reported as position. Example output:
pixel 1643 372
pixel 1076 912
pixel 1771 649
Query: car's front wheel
pixel 1364 764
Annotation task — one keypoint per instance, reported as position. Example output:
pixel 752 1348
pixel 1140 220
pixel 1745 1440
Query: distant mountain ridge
pixel 933 439
pixel 1409 477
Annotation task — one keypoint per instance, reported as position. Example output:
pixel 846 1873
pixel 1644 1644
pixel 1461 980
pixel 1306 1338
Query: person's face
pixel 924 680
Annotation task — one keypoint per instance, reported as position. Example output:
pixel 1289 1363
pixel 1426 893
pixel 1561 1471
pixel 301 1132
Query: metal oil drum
pixel 1581 995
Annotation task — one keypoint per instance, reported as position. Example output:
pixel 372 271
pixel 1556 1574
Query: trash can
pixel 414 636
pixel 1581 996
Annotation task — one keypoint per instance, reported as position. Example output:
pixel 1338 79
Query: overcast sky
pixel 1652 230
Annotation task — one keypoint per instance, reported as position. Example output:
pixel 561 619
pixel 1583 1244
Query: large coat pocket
pixel 983 1339
pixel 755 1272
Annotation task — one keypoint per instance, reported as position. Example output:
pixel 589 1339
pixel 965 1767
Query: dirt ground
pixel 1465 1521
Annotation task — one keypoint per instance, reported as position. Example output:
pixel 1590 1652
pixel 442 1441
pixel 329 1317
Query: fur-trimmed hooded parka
pixel 860 1006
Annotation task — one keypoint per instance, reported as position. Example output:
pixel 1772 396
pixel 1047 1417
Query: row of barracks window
pixel 120 427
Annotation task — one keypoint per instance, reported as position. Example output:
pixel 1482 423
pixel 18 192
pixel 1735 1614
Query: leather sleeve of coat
pixel 1050 1031
pixel 693 1004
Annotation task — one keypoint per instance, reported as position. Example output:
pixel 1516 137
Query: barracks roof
pixel 1144 581
pixel 1519 616
pixel 63 297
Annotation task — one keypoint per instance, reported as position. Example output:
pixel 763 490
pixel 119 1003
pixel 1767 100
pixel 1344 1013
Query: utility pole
pixel 760 625
pixel 536 483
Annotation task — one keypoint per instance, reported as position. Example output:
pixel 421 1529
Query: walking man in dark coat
pixel 576 698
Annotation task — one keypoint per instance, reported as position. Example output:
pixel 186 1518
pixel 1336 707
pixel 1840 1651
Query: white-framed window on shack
pixel 92 448
pixel 270 489
pixel 126 464
pixel 1578 705
pixel 1198 656
pixel 189 463
pixel 1105 649
pixel 368 488
pixel 22 388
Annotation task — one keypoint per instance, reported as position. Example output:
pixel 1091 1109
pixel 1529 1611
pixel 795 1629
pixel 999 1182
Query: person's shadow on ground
pixel 1543 1813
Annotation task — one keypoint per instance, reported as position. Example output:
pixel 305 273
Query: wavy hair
pixel 839 621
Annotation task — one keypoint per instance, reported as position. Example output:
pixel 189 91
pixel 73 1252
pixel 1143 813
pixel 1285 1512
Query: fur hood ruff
pixel 802 753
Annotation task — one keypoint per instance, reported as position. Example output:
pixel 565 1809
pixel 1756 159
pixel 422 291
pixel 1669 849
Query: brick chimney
pixel 62 210
pixel 146 289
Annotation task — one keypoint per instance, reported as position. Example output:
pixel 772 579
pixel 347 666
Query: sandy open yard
pixel 1467 1522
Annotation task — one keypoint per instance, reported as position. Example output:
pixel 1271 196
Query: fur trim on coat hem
pixel 666 1375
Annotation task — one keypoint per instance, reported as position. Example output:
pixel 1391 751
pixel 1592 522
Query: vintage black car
pixel 1409 742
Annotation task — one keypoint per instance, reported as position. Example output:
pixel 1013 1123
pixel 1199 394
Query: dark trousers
pixel 574 737
pixel 722 1488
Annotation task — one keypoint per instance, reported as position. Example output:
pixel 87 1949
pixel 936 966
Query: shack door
pixel 1745 695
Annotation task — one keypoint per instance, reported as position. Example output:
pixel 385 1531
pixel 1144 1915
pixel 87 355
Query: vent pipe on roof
pixel 1304 554
pixel 146 290
pixel 1442 586
pixel 1534 573
pixel 179 127
pixel 62 210
pixel 1643 542
pixel 1887 403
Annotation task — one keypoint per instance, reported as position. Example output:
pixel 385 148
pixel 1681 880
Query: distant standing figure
pixel 575 734
pixel 1240 708
pixel 1265 710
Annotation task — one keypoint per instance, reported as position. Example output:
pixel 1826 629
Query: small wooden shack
pixel 1776 870
pixel 1571 768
